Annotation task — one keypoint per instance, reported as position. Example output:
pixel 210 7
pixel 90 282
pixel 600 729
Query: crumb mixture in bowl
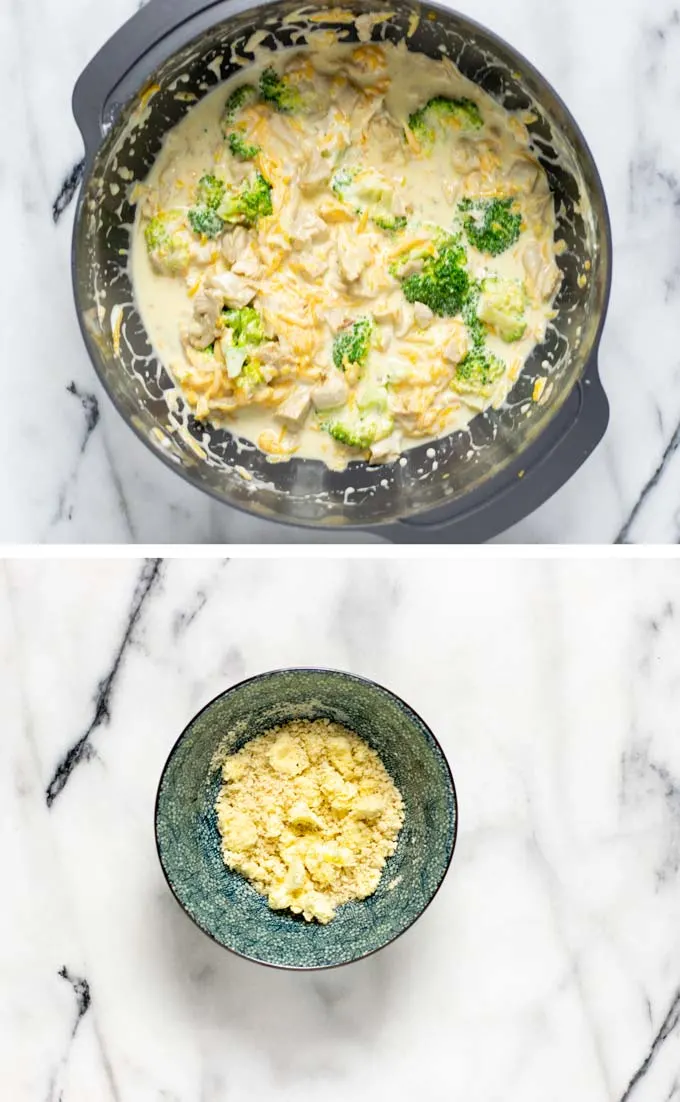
pixel 308 813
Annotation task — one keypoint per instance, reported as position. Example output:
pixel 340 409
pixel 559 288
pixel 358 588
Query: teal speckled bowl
pixel 223 903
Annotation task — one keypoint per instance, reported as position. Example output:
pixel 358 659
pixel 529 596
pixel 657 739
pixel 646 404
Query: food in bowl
pixel 345 252
pixel 309 815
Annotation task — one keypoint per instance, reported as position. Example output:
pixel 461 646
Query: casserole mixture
pixel 309 814
pixel 345 251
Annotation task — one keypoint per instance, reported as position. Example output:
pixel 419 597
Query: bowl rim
pixel 352 677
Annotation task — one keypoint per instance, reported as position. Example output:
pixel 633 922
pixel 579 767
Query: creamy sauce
pixel 365 197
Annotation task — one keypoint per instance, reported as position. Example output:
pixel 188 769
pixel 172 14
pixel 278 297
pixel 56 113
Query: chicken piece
pixel 295 408
pixel 248 264
pixel 353 256
pixel 313 266
pixel 395 311
pixel 523 175
pixel 315 170
pixel 367 66
pixel 198 358
pixel 331 393
pixel 232 288
pixel 416 410
pixel 403 319
pixel 387 450
pixel 275 359
pixel 308 227
pixel 452 190
pixel 412 266
pixel 234 244
pixel 202 328
pixel 465 156
pixel 335 318
pixel 544 275
pixel 422 314
pixel 203 254
pixel 385 135
pixel 456 349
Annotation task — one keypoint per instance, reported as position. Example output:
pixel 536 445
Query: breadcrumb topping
pixel 309 815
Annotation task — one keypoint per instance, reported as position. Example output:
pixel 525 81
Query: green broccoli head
pixel 439 114
pixel 249 379
pixel 352 344
pixel 501 308
pixel 492 225
pixel 209 191
pixel 240 148
pixel 248 203
pixel 167 242
pixel 391 223
pixel 443 283
pixel 368 189
pixel 238 99
pixel 246 325
pixel 359 430
pixel 205 221
pixel 477 373
pixel 280 92
pixel 203 217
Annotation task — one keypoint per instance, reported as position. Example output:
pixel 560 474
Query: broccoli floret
pixel 357 430
pixel 240 148
pixel 390 223
pixel 246 326
pixel 351 346
pixel 492 225
pixel 501 308
pixel 249 379
pixel 475 328
pixel 477 373
pixel 167 242
pixel 279 91
pixel 443 284
pixel 372 396
pixel 441 112
pixel 205 221
pixel 367 189
pixel 245 151
pixel 209 191
pixel 250 202
pixel 203 217
pixel 237 101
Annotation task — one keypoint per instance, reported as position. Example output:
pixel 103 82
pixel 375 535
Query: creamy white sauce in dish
pixel 345 251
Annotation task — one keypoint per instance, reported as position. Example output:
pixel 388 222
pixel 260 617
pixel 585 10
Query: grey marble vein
pixel 68 190
pixel 650 487
pixel 669 1027
pixel 81 750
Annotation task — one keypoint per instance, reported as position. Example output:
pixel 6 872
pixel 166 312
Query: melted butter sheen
pixel 320 261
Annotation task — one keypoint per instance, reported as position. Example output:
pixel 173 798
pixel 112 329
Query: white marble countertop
pixel 548 967
pixel 84 476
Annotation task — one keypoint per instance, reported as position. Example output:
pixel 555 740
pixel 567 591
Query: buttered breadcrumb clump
pixel 309 814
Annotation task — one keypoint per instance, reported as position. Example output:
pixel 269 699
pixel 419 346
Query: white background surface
pixel 548 967
pixel 618 67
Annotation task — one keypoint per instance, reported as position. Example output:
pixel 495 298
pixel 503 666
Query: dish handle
pixel 148 37
pixel 530 481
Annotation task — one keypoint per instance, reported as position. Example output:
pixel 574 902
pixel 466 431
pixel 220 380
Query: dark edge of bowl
pixel 351 677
